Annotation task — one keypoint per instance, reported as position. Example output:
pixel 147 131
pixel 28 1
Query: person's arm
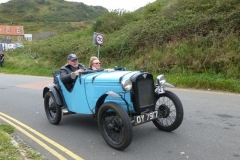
pixel 67 77
pixel 2 58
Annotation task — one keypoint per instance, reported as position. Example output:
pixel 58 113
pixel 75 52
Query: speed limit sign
pixel 99 39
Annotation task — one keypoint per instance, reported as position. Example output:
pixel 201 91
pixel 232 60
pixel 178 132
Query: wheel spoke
pixel 167 108
pixel 51 108
pixel 170 111
pixel 113 127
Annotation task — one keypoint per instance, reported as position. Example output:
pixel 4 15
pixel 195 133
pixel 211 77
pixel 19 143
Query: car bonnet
pixel 109 76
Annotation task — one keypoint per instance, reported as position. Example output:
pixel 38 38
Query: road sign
pixel 99 39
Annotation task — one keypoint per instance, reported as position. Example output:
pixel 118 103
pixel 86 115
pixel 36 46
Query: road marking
pixel 35 139
pixel 65 150
pixel 36 85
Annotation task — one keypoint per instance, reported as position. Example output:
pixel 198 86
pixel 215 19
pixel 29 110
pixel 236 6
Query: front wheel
pixel 52 109
pixel 170 112
pixel 115 125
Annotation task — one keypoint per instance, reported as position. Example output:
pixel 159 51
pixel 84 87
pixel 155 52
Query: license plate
pixel 145 117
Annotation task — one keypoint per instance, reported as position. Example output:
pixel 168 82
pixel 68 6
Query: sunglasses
pixel 97 63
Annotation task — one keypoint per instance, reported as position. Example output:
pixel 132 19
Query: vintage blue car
pixel 118 99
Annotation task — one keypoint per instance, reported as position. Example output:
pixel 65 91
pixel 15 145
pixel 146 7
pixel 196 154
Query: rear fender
pixel 55 92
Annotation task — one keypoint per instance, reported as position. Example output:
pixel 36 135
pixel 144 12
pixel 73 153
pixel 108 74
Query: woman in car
pixel 94 63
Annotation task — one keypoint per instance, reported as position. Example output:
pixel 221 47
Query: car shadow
pixel 85 128
pixel 79 121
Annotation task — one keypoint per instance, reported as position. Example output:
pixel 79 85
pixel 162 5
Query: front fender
pixel 54 90
pixel 161 89
pixel 104 96
pixel 169 85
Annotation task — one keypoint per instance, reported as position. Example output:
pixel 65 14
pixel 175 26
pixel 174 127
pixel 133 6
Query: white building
pixel 28 37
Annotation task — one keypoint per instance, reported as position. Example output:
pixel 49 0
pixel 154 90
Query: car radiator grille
pixel 145 93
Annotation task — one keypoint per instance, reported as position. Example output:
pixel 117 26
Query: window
pixel 8 30
pixel 19 38
pixel 8 37
pixel 18 30
pixel 28 38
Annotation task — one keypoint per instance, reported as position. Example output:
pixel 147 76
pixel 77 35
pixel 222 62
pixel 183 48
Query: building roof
pixel 11 30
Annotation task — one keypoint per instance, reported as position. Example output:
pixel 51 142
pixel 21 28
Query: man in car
pixel 69 72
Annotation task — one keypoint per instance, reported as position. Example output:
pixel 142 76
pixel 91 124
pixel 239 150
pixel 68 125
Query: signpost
pixel 98 39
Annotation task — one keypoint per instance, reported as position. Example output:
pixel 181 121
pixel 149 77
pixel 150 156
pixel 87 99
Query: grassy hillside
pixel 56 27
pixel 194 42
pixel 48 11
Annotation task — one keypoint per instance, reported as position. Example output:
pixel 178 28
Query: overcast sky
pixel 129 5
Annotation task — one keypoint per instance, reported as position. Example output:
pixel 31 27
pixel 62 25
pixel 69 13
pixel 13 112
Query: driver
pixel 69 72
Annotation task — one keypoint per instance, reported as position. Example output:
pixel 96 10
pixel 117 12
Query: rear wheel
pixel 170 112
pixel 115 125
pixel 52 109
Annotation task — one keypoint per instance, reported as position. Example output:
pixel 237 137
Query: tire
pixel 52 109
pixel 115 125
pixel 170 112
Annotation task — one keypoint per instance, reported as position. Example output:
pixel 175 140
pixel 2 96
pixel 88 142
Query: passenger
pixel 69 72
pixel 94 63
pixel 1 59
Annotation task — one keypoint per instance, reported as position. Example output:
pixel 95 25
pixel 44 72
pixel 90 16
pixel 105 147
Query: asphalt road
pixel 210 129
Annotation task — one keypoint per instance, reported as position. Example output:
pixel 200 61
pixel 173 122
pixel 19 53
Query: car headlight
pixel 161 80
pixel 127 84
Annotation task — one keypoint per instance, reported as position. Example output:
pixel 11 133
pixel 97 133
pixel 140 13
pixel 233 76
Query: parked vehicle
pixel 19 45
pixel 4 46
pixel 118 99
pixel 11 46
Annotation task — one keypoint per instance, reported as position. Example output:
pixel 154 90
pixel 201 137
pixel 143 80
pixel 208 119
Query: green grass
pixel 204 81
pixel 7 149
pixel 12 152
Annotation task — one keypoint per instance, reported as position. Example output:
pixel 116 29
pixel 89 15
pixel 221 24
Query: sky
pixel 128 5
